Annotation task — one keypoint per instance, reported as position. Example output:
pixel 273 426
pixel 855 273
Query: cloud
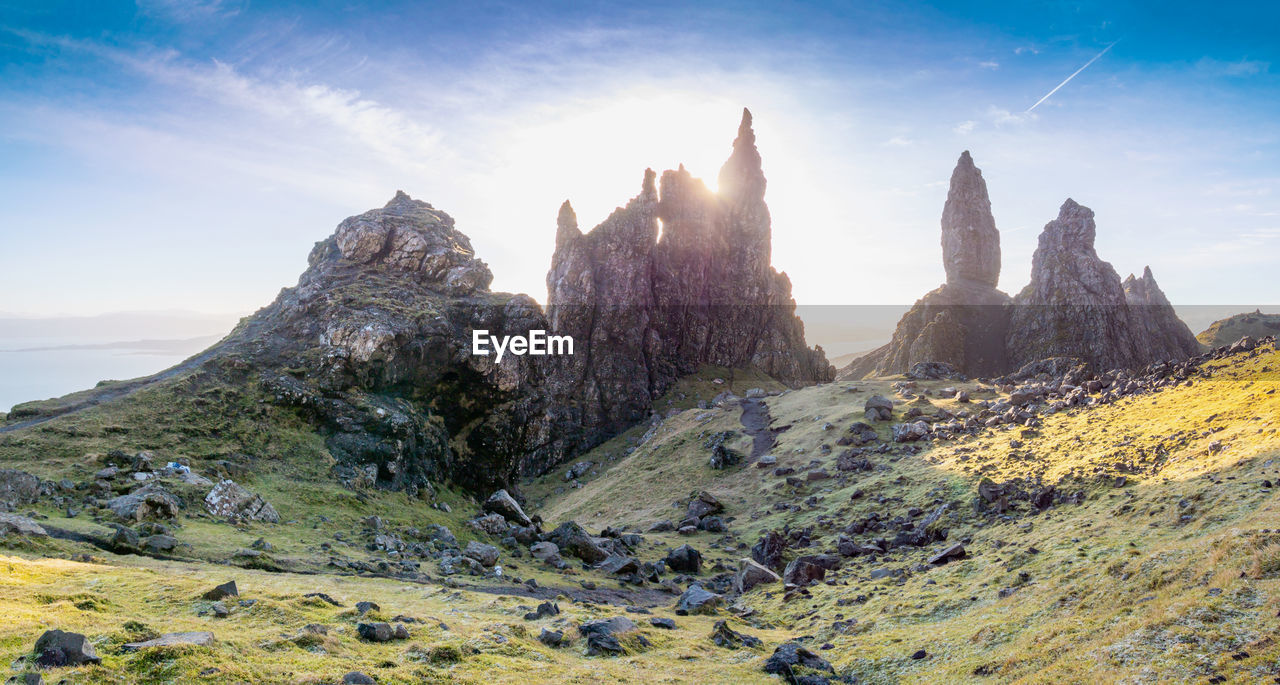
pixel 1241 67
pixel 965 127
pixel 1002 117
pixel 1025 49
pixel 190 11
pixel 899 141
pixel 990 64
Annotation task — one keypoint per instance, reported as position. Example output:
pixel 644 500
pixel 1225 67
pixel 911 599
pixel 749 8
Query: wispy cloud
pixel 899 141
pixel 989 64
pixel 191 11
pixel 965 127
pixel 1241 67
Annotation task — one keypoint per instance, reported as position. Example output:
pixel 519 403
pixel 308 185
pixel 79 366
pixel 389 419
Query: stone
pixel 619 565
pixel 505 505
pixel 724 636
pixel 698 600
pixel 663 623
pixel 543 551
pixel 487 555
pixel 229 500
pixel 56 648
pixel 227 589
pixel 684 559
pixel 25 679
pixel 550 638
pixel 20 525
pixel 662 526
pixel 802 572
pixel 157 544
pixel 704 504
pixel 147 502
pixel 950 553
pixel 603 645
pixel 17 488
pixel 617 625
pixel 363 608
pixel 769 550
pixel 790 656
pixel 573 539
pixel 378 632
pixel 750 574
pixel 1162 334
pixel 196 638
pixel 357 678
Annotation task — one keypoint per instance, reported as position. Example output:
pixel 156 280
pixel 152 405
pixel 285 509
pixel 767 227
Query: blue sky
pixel 185 155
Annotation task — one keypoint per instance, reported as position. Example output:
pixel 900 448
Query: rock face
pixel 1167 336
pixel 1074 307
pixel 963 322
pixel 970 241
pixel 678 278
pixel 229 500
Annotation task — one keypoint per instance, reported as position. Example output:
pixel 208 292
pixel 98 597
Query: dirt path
pixel 755 418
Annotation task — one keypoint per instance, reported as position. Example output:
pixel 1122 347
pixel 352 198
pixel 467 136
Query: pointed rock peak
pixel 1072 208
pixel 402 202
pixel 1147 275
pixel 970 241
pixel 649 189
pixel 566 224
pixel 744 129
pixel 741 177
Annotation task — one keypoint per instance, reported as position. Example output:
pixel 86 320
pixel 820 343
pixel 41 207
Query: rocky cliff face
pixel 678 278
pixel 1074 307
pixel 963 322
pixel 1166 334
pixel 373 346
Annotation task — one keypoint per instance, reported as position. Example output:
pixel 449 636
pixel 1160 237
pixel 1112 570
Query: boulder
pixel 196 638
pixel 573 539
pixel 505 505
pixel 791 661
pixel 769 550
pixel 12 524
pixel 147 502
pixel 487 555
pixel 227 589
pixel 17 488
pixel 697 600
pixel 684 559
pixel 750 574
pixel 56 648
pixel 704 504
pixel 229 500
pixel 724 636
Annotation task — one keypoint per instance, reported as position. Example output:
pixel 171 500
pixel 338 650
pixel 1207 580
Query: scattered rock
pixel 147 502
pixel 684 559
pixel 357 678
pixel 56 648
pixel 697 600
pixel 951 553
pixel 227 589
pixel 487 555
pixel 724 636
pixel 790 657
pixel 505 505
pixel 229 500
pixel 20 525
pixel 750 574
pixel 197 638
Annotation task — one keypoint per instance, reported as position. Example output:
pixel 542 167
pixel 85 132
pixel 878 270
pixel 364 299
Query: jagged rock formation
pixel 970 241
pixel 963 322
pixel 1074 307
pixel 1167 336
pixel 653 307
pixel 373 346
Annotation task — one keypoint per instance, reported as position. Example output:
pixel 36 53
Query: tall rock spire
pixel 741 177
pixel 970 241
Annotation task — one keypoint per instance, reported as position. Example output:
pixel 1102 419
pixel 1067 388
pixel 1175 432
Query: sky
pixel 165 155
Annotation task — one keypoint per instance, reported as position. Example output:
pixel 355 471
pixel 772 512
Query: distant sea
pixel 42 368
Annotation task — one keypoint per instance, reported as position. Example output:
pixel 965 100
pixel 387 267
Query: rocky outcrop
pixel 1166 335
pixel 963 322
pixel 970 241
pixel 677 279
pixel 1075 306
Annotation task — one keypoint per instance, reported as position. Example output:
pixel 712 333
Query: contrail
pixel 1068 79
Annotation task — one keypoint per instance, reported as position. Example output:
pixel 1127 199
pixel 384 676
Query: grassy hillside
pixel 1231 329
pixel 1168 568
